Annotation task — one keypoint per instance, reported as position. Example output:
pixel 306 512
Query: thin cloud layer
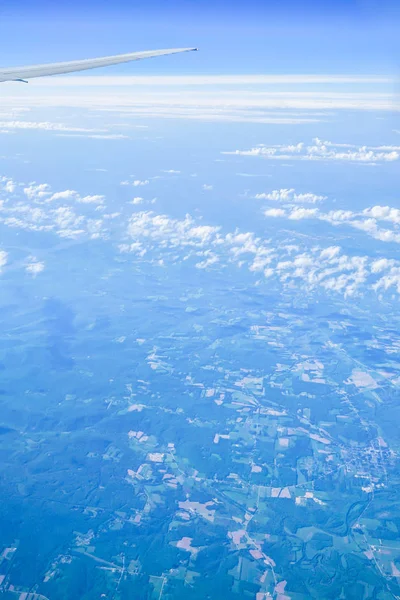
pixel 43 125
pixel 265 99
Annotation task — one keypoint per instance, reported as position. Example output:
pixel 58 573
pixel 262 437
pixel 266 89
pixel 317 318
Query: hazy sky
pixel 234 37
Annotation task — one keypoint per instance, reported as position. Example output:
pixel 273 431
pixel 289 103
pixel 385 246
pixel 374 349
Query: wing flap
pixel 21 73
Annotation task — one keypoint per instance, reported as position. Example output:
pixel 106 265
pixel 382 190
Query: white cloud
pixel 96 136
pixel 42 193
pixel 34 267
pixel 91 199
pixel 330 252
pixel 290 196
pixel 323 151
pixel 274 212
pixel 61 129
pixel 65 217
pixel 241 243
pixel 366 220
pixel 270 99
pixel 138 182
pixel 36 207
pixel 302 213
pixel 63 195
pixel 170 232
pixel 207 187
pixel 115 81
pixel 160 238
pixel 42 125
pixel 384 213
pixel 7 185
pixel 382 264
pixel 211 259
pixel 41 190
pixel 314 269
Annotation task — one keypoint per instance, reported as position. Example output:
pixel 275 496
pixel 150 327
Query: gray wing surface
pixel 23 73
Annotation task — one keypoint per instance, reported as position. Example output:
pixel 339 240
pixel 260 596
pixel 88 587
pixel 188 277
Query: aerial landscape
pixel 199 308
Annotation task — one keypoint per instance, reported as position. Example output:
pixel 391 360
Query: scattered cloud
pixel 274 212
pixel 34 267
pixel 366 220
pixel 323 151
pixel 136 182
pixel 7 185
pixel 159 237
pixel 290 196
pixel 170 232
pixel 302 213
pixel 36 207
pixel 42 193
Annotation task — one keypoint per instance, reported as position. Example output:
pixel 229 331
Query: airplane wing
pixel 23 73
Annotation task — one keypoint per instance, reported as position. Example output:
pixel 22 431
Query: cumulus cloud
pixel 170 232
pixel 366 220
pixel 7 185
pixel 302 213
pixel 159 238
pixel 323 151
pixel 384 213
pixel 35 191
pixel 274 212
pixel 42 193
pixel 34 267
pixel 136 182
pixel 290 196
pixel 211 259
pixel 36 207
pixel 62 195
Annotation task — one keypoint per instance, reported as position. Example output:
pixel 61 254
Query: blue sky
pixel 235 37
